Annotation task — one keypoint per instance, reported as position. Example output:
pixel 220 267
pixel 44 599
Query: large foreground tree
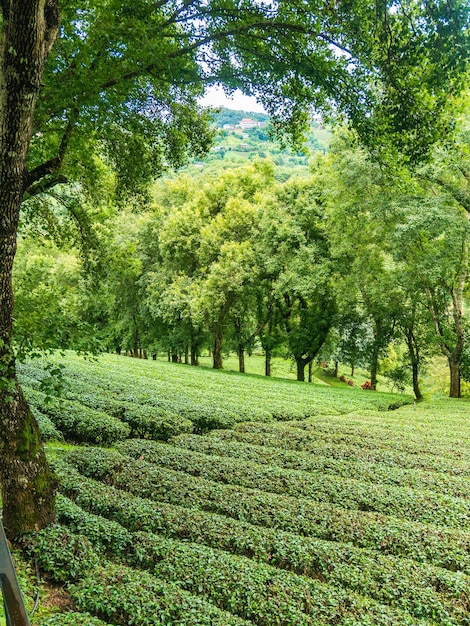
pixel 119 91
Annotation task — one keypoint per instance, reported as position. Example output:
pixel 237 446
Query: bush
pixel 420 589
pixel 46 426
pixel 70 619
pixel 422 505
pixel 442 546
pixel 153 423
pixel 77 422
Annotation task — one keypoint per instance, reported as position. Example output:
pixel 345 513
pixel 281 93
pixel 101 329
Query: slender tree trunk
pixel 28 32
pixel 300 368
pixel 374 367
pixel 454 369
pixel 415 375
pixel 352 370
pixel 186 355
pixel 217 363
pixel 194 356
pixel 336 369
pixel 241 359
pixel 414 354
pixel 267 363
pixel 135 352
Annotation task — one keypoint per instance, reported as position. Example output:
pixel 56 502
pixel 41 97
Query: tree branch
pixel 45 184
pixel 52 166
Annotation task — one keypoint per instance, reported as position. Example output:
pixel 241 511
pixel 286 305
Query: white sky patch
pixel 215 97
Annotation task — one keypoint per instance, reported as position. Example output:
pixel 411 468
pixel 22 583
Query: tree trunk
pixel 454 368
pixel 241 359
pixel 300 368
pixel 194 356
pixel 217 363
pixel 310 371
pixel 135 352
pixel 267 364
pixel 28 32
pixel 415 374
pixel 336 369
pixel 28 484
pixel 374 367
pixel 414 354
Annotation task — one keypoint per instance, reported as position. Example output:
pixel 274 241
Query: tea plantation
pixel 203 497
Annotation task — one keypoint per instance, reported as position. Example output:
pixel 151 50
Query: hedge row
pixel 362 432
pixel 256 591
pixel 47 428
pixel 295 439
pixel 77 422
pixel 444 547
pixel 116 593
pixel 424 506
pixel 359 466
pixel 422 590
pixel 210 400
pixel 224 579
pixel 70 619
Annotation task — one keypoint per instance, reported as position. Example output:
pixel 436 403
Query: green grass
pixel 256 501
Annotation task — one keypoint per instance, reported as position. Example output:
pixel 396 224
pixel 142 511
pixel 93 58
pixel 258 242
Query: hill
pixel 236 144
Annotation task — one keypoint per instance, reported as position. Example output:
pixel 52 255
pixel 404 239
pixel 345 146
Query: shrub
pixel 153 423
pixel 442 546
pixel 77 422
pixel 70 619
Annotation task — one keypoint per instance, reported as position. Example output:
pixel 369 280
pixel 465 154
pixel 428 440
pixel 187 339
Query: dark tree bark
pixel 300 363
pixel 217 362
pixel 414 354
pixel 267 364
pixel 194 356
pixel 241 358
pixel 454 369
pixel 28 32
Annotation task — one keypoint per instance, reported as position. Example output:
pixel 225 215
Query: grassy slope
pixel 349 516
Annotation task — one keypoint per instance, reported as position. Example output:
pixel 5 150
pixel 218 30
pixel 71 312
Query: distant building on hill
pixel 247 123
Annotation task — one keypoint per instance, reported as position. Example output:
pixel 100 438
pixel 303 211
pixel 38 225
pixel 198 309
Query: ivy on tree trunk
pixel 29 29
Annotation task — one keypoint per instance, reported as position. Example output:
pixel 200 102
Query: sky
pixel 238 101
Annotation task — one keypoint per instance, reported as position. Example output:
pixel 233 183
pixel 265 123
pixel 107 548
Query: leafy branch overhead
pixel 123 78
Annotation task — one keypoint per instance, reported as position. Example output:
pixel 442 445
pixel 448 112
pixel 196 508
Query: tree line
pixel 336 265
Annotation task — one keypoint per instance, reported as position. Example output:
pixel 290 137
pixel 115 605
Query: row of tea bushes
pixel 249 589
pixel 76 421
pixel 386 436
pixel 421 505
pixel 71 619
pixel 422 590
pixel 442 546
pixel 387 451
pixel 209 399
pixel 117 593
pixel 357 465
